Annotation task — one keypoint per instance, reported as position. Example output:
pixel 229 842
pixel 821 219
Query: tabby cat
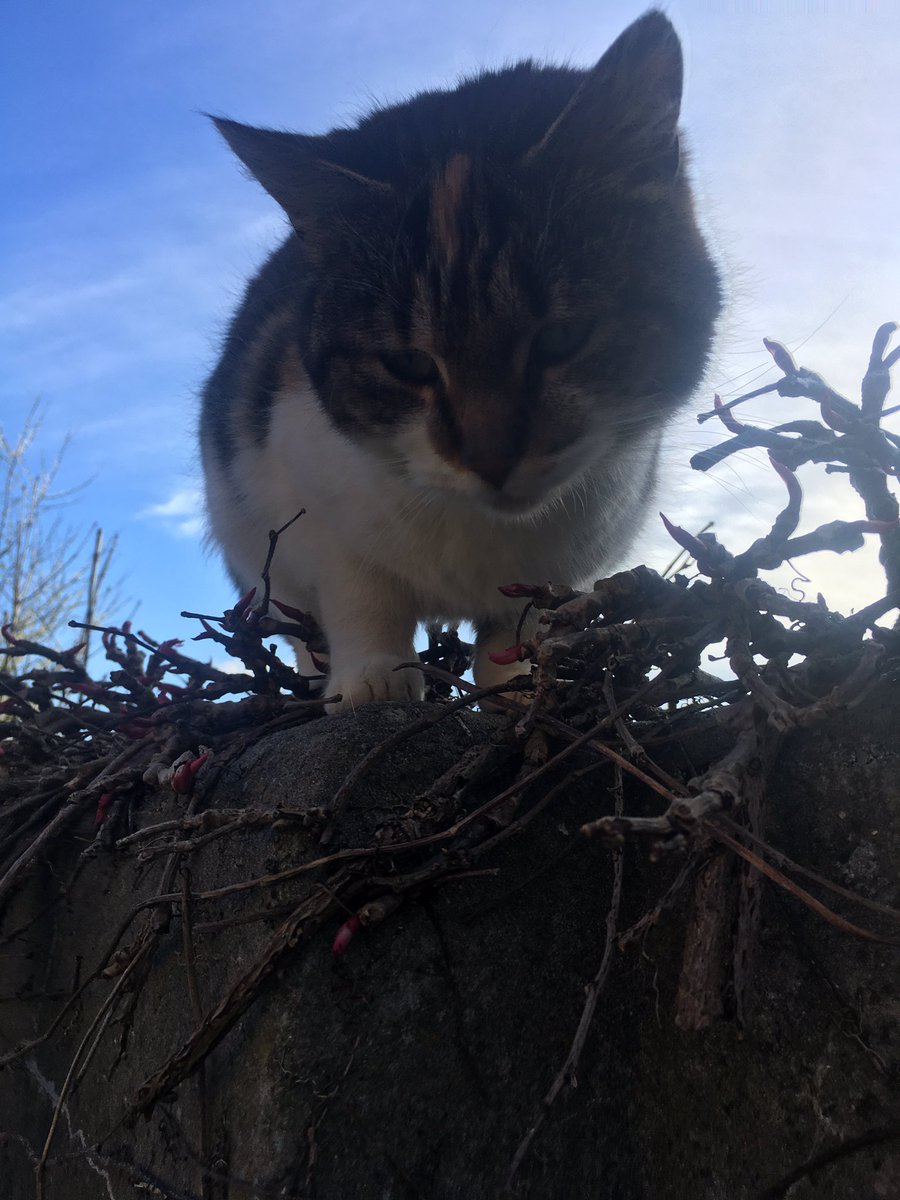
pixel 461 360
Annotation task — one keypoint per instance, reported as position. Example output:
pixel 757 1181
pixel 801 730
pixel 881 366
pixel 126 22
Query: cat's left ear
pixel 623 118
pixel 291 168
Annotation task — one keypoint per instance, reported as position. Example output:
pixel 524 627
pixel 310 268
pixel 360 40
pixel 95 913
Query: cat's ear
pixel 292 169
pixel 623 119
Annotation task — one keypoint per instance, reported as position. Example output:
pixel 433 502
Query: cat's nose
pixel 490 464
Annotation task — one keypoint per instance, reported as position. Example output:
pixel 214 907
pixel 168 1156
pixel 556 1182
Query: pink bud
pixel 791 482
pixel 519 591
pixel 344 936
pixel 295 614
pixel 183 778
pixel 504 658
pixel 243 604
pixel 782 356
pixel 102 806
pixel 684 539
pixel 724 415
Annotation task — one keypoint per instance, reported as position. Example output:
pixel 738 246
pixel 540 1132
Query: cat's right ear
pixel 623 119
pixel 291 168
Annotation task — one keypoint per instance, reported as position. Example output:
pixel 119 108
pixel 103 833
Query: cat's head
pixel 504 284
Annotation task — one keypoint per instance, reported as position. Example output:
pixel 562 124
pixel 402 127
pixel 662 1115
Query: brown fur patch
pixel 446 205
pixel 293 373
pixel 488 435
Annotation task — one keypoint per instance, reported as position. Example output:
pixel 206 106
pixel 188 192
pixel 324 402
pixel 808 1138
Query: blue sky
pixel 127 230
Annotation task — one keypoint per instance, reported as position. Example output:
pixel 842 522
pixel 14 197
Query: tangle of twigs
pixel 616 673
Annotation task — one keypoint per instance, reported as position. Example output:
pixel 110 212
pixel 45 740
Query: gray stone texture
pixel 414 1066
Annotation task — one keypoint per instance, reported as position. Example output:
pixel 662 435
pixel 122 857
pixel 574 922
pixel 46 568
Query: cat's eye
pixel 411 366
pixel 559 341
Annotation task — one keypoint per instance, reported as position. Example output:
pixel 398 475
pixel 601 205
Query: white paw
pixel 374 680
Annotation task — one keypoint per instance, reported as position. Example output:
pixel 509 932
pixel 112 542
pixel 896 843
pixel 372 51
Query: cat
pixel 461 361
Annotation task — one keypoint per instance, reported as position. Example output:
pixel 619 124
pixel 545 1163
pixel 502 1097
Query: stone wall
pixel 414 1066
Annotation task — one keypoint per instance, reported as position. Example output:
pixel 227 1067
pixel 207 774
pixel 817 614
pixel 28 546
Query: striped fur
pixel 461 360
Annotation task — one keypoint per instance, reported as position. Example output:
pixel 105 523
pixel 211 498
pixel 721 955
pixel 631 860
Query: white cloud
pixel 40 304
pixel 231 666
pixel 181 514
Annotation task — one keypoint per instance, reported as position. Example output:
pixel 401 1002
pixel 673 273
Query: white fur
pixel 394 535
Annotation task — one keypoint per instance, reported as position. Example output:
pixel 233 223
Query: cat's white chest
pixel 362 518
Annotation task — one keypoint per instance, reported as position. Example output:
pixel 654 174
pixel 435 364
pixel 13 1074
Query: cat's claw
pixel 372 681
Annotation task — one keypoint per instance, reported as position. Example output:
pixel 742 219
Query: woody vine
pixel 611 674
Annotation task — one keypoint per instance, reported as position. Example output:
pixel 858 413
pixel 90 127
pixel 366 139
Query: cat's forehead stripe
pixel 447 196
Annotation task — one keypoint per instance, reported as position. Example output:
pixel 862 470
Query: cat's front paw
pixel 374 680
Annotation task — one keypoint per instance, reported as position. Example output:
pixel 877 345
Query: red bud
pixel 724 415
pixel 243 604
pixel 344 936
pixel 684 539
pixel 183 778
pixel 504 658
pixel 519 591
pixel 102 806
pixel 295 614
pixel 209 632
pixel 790 480
pixel 783 357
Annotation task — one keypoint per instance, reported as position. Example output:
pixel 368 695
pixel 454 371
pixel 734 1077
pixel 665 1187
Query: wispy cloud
pixel 39 303
pixel 180 515
pixel 127 229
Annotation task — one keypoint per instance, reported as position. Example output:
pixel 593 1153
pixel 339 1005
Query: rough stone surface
pixel 412 1068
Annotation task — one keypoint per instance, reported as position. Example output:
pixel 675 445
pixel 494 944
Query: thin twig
pixel 851 1145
